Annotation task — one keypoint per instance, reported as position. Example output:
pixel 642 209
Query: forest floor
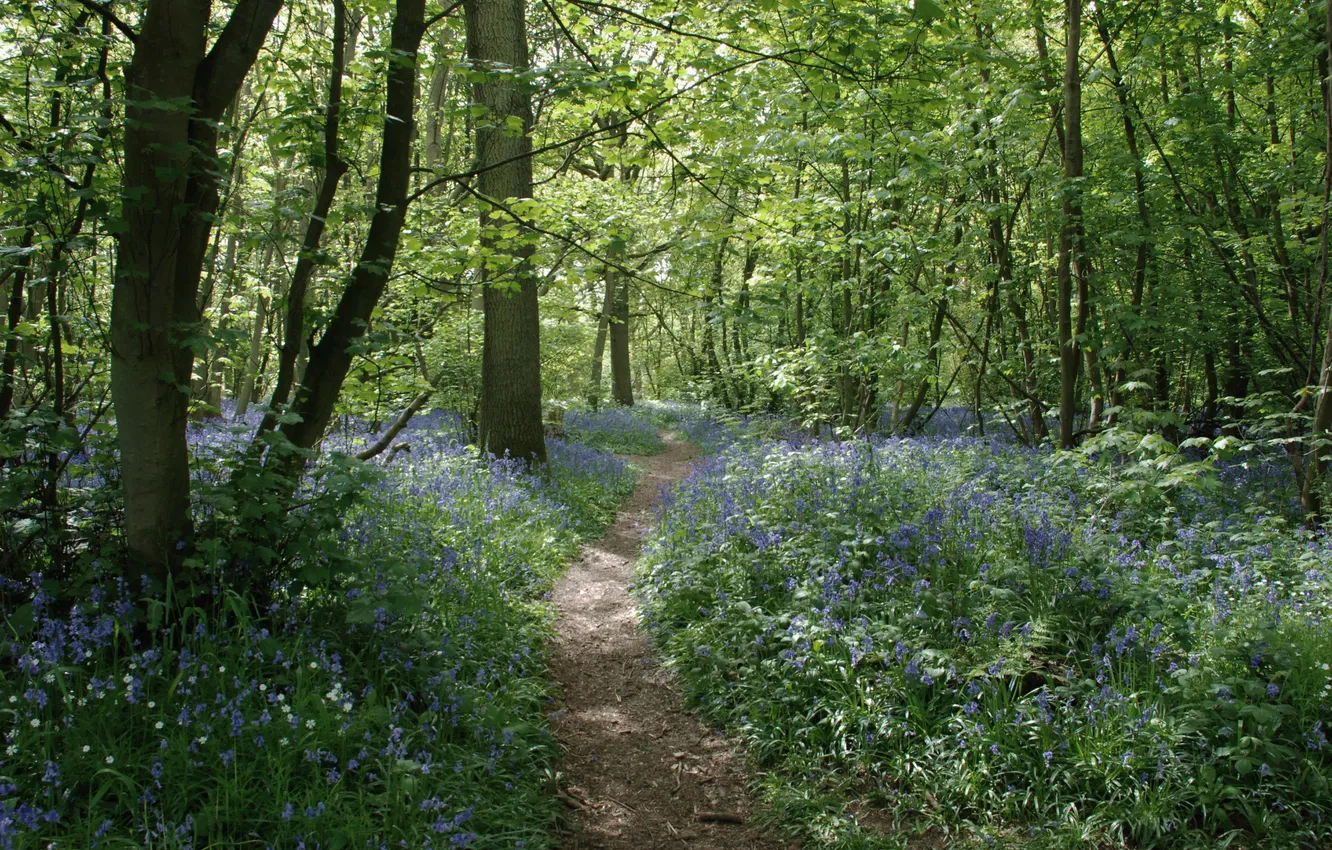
pixel 639 771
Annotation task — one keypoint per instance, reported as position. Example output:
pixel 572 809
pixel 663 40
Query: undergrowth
pixel 623 430
pixel 387 691
pixel 1002 644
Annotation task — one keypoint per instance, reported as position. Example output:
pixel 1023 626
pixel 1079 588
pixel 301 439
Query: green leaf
pixel 927 10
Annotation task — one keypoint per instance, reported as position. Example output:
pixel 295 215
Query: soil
pixel 639 771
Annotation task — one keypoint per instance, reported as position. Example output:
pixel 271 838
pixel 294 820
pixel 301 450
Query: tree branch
pixel 223 70
pixel 104 10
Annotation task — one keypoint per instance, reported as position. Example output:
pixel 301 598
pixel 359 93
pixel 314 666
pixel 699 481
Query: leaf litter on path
pixel 639 772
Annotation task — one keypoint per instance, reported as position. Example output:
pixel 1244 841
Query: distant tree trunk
pixel 1070 234
pixel 599 345
pixel 213 380
pixel 849 387
pixel 621 387
pixel 922 389
pixel 250 379
pixel 712 306
pixel 439 82
pixel 331 357
pixel 1087 318
pixel 1143 254
pixel 797 252
pixel 176 90
pixel 510 412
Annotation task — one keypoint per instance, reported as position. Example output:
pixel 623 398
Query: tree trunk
pixel 510 411
pixel 439 82
pixel 331 357
pixel 214 379
pixel 250 380
pixel 334 168
pixel 18 286
pixel 849 386
pixel 175 94
pixel 1315 465
pixel 599 346
pixel 1070 234
pixel 621 387
pixel 1143 253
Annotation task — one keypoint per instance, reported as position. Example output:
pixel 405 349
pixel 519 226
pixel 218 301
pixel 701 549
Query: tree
pixel 177 89
pixel 510 410
pixel 331 358
pixel 1071 233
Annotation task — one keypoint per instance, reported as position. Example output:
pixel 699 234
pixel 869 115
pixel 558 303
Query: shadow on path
pixel 640 773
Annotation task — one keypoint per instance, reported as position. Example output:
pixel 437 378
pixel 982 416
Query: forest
pixel 931 399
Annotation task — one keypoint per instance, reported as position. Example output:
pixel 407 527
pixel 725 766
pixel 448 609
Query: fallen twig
pixel 719 817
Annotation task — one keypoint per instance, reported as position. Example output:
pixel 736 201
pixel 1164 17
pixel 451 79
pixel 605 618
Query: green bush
pixel 389 692
pixel 955 633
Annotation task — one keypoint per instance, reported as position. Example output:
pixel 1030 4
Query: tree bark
pixel 1070 234
pixel 621 383
pixel 334 168
pixel 1144 249
pixel 1315 465
pixel 331 357
pixel 18 285
pixel 510 411
pixel 176 91
pixel 214 378
pixel 599 344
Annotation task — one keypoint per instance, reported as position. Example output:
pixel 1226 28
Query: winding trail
pixel 640 772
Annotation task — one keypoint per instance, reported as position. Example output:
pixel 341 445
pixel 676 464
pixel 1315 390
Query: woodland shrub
pixel 713 429
pixel 387 691
pixel 1031 645
pixel 624 430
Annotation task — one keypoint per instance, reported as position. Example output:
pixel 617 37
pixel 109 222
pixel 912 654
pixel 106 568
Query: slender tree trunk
pixel 1315 465
pixel 846 320
pixel 510 412
pixel 1143 253
pixel 215 377
pixel 923 388
pixel 250 381
pixel 712 307
pixel 331 358
pixel 439 82
pixel 599 345
pixel 334 168
pixel 18 285
pixel 1070 234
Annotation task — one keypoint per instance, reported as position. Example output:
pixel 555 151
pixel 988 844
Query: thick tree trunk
pixel 510 412
pixel 331 358
pixel 175 95
pixel 1070 234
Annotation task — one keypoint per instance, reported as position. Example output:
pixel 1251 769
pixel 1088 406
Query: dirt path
pixel 640 773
